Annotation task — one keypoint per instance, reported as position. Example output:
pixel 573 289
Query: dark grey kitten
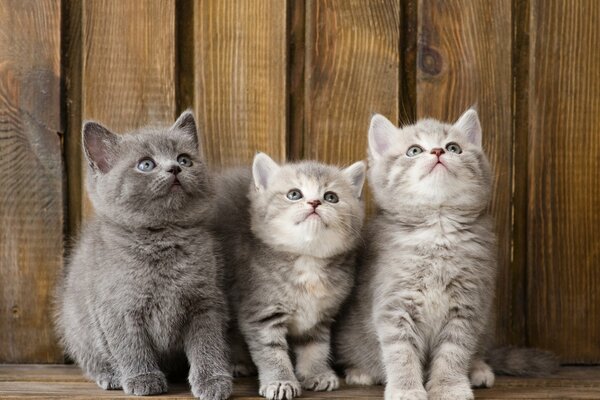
pixel 419 319
pixel 289 245
pixel 142 291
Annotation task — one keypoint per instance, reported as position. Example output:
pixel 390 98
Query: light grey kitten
pixel 422 307
pixel 142 291
pixel 289 235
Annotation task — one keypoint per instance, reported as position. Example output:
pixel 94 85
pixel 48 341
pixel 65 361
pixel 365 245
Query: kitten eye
pixel 184 160
pixel 331 197
pixel 146 165
pixel 414 151
pixel 294 194
pixel 453 148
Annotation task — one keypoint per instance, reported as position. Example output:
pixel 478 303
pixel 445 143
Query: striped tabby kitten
pixel 420 316
pixel 289 247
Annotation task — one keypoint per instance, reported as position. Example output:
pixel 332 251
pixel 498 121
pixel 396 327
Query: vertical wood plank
pixel 31 206
pixel 352 71
pixel 240 57
pixel 128 65
pixel 464 57
pixel 564 194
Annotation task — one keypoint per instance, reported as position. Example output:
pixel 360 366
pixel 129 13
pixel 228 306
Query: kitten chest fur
pixel 311 288
pixel 432 261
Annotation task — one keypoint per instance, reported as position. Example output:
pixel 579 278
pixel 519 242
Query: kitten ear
pixel 263 168
pixel 100 146
pixel 186 123
pixel 381 135
pixel 468 123
pixel 356 173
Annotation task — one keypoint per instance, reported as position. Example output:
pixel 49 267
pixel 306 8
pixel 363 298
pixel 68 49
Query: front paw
pixel 109 381
pixel 145 384
pixel 482 376
pixel 215 388
pixel 459 391
pixel 395 393
pixel 326 381
pixel 279 390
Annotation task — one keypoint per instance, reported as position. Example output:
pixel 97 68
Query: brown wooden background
pixel 300 79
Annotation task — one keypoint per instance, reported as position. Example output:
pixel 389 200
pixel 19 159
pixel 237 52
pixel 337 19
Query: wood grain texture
pixel 72 59
pixel 240 54
pixel 464 58
pixel 564 194
pixel 352 71
pixel 128 66
pixel 31 206
pixel 61 382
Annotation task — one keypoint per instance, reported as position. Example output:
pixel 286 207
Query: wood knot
pixel 15 311
pixel 430 61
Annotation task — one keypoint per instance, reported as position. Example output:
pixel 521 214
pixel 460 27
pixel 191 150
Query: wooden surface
pixel 128 66
pixel 240 57
pixel 31 205
pixel 564 164
pixel 300 79
pixel 352 68
pixel 65 381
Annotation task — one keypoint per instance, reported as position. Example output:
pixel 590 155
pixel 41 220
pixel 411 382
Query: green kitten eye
pixel 453 148
pixel 294 194
pixel 331 197
pixel 146 165
pixel 414 150
pixel 184 160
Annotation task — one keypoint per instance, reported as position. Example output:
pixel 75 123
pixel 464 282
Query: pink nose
pixel 438 151
pixel 314 203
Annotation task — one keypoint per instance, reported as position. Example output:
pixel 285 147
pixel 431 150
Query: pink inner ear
pixel 98 147
pixel 98 153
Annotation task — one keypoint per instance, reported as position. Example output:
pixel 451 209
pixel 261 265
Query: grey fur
pixel 419 318
pixel 142 292
pixel 288 275
pixel 522 362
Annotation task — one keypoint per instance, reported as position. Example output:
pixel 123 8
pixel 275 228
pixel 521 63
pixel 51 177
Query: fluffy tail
pixel 518 361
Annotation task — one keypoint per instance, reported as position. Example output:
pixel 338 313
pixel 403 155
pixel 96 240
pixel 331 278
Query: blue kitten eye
pixel 414 150
pixel 331 197
pixel 453 148
pixel 146 165
pixel 184 160
pixel 294 194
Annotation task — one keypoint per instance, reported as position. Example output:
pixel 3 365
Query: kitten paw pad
pixel 145 384
pixel 326 381
pixel 242 369
pixel 216 388
pixel 357 377
pixel 280 390
pixel 455 392
pixel 109 381
pixel 482 377
pixel 402 394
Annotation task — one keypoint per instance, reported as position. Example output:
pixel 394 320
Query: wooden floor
pixel 64 381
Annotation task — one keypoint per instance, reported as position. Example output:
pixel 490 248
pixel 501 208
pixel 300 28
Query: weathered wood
pixel 31 206
pixel 352 69
pixel 128 66
pixel 458 67
pixel 520 111
pixel 564 194
pixel 240 56
pixel 72 60
pixel 42 382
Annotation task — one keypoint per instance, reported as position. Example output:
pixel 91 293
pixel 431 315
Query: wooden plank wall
pixel 300 79
pixel 31 187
